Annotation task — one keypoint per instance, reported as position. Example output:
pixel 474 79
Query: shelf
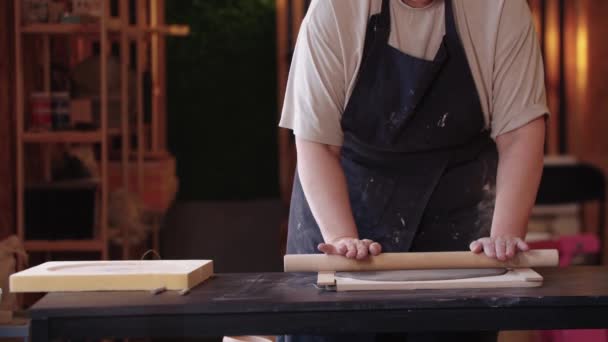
pixel 63 137
pixel 94 28
pixel 85 183
pixel 144 40
pixel 169 30
pixel 114 131
pixel 66 28
pixel 63 245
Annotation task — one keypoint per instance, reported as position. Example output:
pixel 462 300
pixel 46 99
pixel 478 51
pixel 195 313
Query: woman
pixel 419 127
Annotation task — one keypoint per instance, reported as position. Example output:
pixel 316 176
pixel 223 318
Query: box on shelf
pixel 81 112
pixel 49 111
pixel 61 210
pixel 40 111
pixel 35 11
pixel 90 8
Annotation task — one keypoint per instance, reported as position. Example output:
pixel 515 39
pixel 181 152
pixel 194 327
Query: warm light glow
pixel 552 44
pixel 582 53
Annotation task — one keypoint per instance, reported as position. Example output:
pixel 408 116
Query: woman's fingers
pixel 375 248
pixel 351 248
pixel 522 245
pixel 361 249
pixel 476 246
pixel 510 251
pixel 501 248
pixel 333 248
pixel 488 247
pixel 327 248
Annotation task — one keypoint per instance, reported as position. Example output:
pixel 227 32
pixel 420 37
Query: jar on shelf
pixel 40 111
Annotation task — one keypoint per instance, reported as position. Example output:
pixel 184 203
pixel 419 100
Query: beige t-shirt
pixel 498 36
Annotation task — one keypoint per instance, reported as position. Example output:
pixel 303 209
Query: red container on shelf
pixel 40 111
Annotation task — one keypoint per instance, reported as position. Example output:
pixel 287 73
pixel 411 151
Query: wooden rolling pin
pixel 405 261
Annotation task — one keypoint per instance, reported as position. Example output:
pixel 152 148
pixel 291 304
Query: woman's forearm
pixel 325 188
pixel 519 170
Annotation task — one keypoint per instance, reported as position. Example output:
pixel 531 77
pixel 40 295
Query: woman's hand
pixel 351 248
pixel 501 248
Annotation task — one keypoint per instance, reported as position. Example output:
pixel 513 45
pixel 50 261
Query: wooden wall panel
pixel 576 60
pixel 551 45
pixel 587 88
pixel 7 124
pixel 580 42
pixel 590 86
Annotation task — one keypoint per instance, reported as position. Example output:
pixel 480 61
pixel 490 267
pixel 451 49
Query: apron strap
pixel 450 25
pixel 382 23
pixel 385 15
pixel 377 33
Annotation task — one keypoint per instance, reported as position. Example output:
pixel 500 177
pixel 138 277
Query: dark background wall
pixel 7 123
pixel 222 99
pixel 222 113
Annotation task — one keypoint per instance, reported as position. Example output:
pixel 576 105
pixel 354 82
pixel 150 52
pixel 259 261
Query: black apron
pixel 419 163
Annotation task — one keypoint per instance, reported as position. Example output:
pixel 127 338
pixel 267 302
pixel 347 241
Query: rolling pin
pixel 418 260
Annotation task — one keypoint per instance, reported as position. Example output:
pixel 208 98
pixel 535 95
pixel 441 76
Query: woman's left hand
pixel 501 247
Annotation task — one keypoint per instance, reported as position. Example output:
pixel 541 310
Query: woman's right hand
pixel 351 248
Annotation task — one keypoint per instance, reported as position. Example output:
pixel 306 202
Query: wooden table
pixel 278 303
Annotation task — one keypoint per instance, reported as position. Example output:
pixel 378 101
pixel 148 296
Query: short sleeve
pixel 518 94
pixel 315 93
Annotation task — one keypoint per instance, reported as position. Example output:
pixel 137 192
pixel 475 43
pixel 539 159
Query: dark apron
pixel 419 163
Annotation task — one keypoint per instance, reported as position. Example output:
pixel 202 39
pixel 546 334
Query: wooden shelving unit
pixel 63 137
pixel 147 35
pixel 113 28
pixel 60 28
pixel 65 245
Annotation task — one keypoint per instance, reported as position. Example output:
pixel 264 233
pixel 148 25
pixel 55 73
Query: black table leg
pixel 39 330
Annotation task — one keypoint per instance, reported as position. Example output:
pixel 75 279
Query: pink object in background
pixel 575 336
pixel 569 247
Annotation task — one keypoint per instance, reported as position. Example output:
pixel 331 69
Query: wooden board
pixel 123 275
pixel 326 278
pixel 522 277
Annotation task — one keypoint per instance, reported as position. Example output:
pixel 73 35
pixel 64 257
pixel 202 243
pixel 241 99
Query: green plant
pixel 222 106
